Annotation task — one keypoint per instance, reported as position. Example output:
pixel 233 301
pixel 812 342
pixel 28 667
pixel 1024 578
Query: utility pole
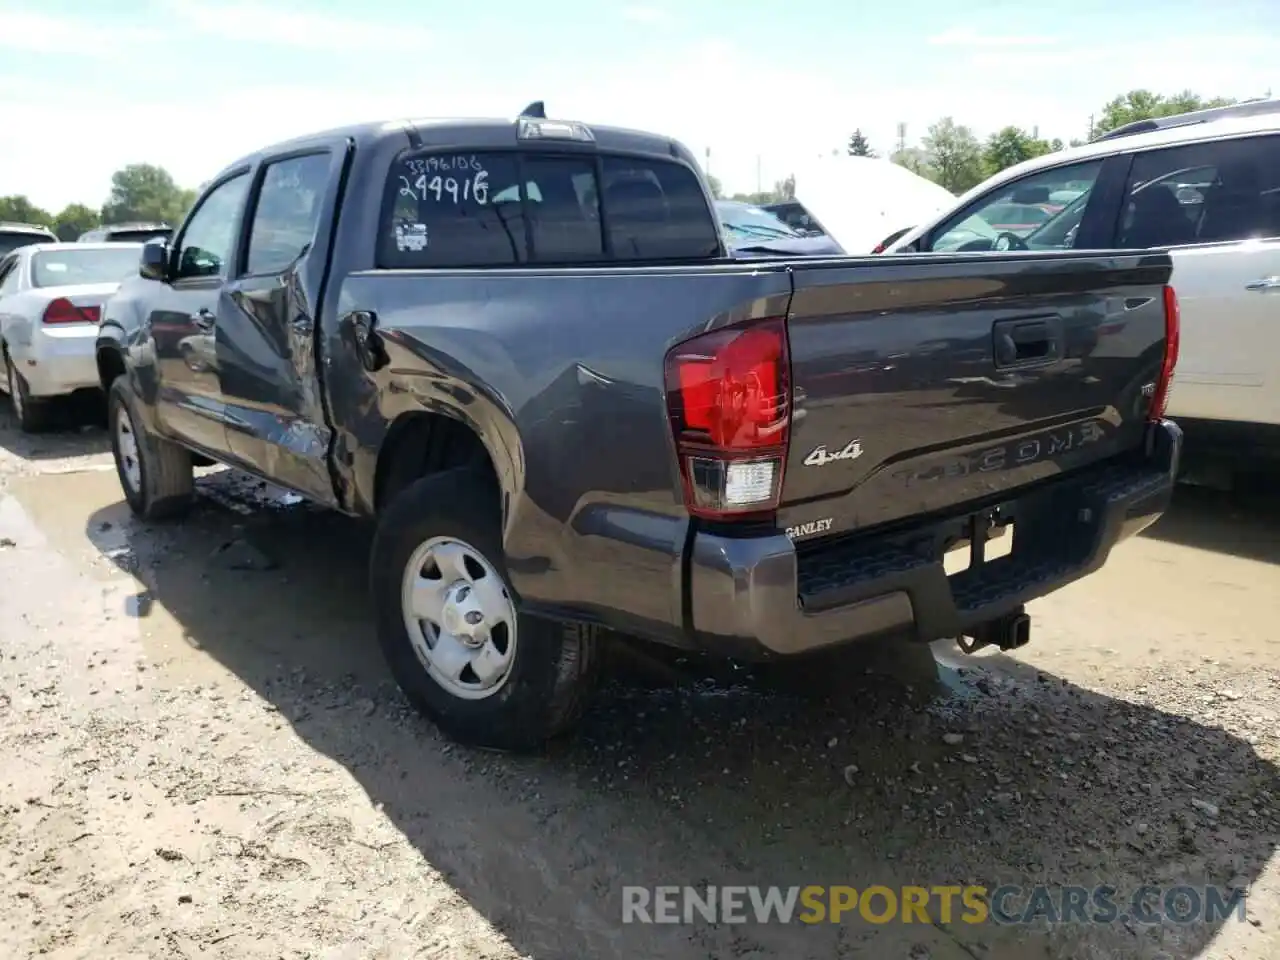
pixel 1090 137
pixel 708 161
pixel 902 137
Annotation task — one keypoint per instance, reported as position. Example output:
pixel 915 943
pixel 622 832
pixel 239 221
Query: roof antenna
pixel 537 110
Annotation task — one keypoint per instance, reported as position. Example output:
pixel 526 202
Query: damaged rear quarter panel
pixel 560 373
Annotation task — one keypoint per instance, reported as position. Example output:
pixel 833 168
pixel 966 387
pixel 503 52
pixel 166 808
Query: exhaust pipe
pixel 1009 632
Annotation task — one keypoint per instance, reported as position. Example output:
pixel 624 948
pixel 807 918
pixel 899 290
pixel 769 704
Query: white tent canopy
pixel 861 200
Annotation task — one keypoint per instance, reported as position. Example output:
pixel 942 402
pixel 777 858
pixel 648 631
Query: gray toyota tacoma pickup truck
pixel 522 348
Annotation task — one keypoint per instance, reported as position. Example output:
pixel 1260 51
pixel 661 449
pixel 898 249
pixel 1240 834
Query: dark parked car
pixel 15 235
pixel 569 408
pixel 751 231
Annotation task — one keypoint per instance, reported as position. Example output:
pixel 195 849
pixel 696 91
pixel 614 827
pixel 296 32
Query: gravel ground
pixel 203 756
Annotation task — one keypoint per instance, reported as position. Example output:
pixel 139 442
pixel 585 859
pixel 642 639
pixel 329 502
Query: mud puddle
pixel 217 578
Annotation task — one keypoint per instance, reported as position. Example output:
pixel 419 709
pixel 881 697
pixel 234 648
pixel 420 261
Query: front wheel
pixel 156 475
pixel 450 625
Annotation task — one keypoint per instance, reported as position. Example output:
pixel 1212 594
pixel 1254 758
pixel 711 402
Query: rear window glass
pixel 506 209
pixel 137 236
pixel 58 268
pixel 11 241
pixel 795 216
pixel 657 211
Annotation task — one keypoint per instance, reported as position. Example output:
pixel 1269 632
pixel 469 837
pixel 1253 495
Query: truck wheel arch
pixel 110 366
pixel 419 443
pixel 113 364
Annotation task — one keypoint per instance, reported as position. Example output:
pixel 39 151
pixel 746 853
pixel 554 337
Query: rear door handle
pixel 1266 283
pixel 204 319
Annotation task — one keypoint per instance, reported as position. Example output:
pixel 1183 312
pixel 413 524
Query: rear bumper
pixel 765 596
pixel 60 361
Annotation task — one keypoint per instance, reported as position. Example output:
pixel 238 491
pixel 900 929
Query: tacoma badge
pixel 818 457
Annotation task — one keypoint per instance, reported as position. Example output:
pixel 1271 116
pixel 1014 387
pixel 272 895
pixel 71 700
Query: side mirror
pixel 154 264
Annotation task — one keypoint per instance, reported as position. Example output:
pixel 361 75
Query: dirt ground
pixel 203 760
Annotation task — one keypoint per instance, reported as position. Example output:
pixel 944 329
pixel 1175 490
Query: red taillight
pixel 1172 337
pixel 729 400
pixel 63 310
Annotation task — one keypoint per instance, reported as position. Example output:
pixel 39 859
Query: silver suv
pixel 1205 186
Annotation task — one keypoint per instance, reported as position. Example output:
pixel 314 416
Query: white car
pixel 1206 187
pixel 51 295
pixel 860 201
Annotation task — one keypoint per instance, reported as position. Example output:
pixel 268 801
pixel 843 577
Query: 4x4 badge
pixel 818 457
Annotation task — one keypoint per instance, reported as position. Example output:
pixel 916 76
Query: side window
pixel 287 211
pixel 657 211
pixel 505 209
pixel 1041 211
pixel 8 276
pixel 205 247
pixel 1213 192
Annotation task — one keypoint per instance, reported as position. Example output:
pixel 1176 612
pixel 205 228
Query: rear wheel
pixel 451 629
pixel 31 412
pixel 155 474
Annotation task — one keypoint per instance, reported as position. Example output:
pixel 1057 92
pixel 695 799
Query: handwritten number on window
pixel 444 164
pixel 441 188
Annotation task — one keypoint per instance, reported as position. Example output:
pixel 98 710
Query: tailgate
pixel 922 384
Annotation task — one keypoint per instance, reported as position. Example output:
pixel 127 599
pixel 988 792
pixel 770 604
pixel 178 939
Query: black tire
pixel 167 486
pixel 32 413
pixel 554 666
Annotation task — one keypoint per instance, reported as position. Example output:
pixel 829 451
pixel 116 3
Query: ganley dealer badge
pixel 819 457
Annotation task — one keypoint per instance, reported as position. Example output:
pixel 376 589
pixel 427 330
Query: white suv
pixel 1206 187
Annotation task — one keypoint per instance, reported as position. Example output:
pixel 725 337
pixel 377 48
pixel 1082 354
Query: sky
pixel 753 87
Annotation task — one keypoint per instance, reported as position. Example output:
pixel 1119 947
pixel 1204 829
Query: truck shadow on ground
pixel 916 772
pixel 1243 524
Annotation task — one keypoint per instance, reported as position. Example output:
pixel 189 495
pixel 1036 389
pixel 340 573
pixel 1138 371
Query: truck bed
pixel 920 389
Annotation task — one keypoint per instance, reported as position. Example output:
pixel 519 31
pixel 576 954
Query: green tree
pixel 18 209
pixel 913 159
pixel 859 146
pixel 785 189
pixel 1010 146
pixel 955 155
pixel 1145 105
pixel 74 220
pixel 186 200
pixel 141 191
pixel 717 188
